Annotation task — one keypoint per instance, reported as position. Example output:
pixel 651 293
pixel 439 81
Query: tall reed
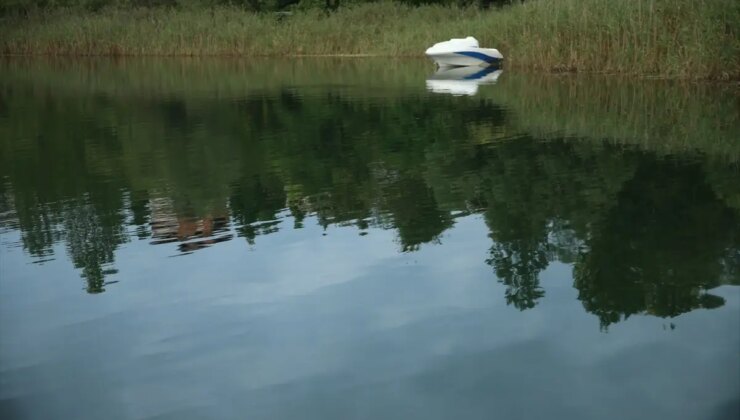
pixel 667 38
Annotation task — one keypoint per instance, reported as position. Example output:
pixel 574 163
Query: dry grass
pixel 666 38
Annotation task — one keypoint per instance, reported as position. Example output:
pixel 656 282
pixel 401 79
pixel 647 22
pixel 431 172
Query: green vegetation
pixel 93 157
pixel 669 38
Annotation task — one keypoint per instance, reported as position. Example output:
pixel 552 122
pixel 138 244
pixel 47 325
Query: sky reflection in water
pixel 319 239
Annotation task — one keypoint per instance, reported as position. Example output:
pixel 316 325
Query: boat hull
pixel 467 57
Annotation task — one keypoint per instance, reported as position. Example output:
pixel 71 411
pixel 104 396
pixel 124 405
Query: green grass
pixel 666 38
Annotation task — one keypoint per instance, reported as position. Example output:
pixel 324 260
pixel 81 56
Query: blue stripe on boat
pixel 479 56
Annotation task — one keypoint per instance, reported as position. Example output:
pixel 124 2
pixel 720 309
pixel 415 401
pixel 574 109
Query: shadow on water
pixel 636 185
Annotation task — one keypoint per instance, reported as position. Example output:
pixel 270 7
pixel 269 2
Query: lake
pixel 364 239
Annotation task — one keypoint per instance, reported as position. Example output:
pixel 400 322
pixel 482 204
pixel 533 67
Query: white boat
pixel 462 80
pixel 463 52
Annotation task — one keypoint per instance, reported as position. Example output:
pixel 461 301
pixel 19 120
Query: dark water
pixel 347 240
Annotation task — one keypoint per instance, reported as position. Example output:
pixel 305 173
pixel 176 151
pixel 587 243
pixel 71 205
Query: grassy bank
pixel 668 38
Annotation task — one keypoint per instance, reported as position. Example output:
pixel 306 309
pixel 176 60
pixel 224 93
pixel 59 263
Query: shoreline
pixel 672 39
pixel 505 67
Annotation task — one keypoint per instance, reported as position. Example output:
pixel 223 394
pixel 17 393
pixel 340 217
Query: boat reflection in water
pixel 462 80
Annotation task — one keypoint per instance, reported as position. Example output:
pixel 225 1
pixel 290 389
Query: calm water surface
pixel 364 240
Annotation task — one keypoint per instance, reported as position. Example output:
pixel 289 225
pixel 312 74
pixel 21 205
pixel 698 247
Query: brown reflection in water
pixel 168 227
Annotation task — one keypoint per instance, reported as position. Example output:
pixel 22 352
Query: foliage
pixel 668 38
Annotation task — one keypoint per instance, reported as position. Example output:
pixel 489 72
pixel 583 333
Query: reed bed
pixel 695 39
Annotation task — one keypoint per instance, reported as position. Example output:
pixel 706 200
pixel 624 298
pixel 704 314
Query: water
pixel 320 239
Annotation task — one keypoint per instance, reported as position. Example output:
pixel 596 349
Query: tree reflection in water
pixel 643 232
